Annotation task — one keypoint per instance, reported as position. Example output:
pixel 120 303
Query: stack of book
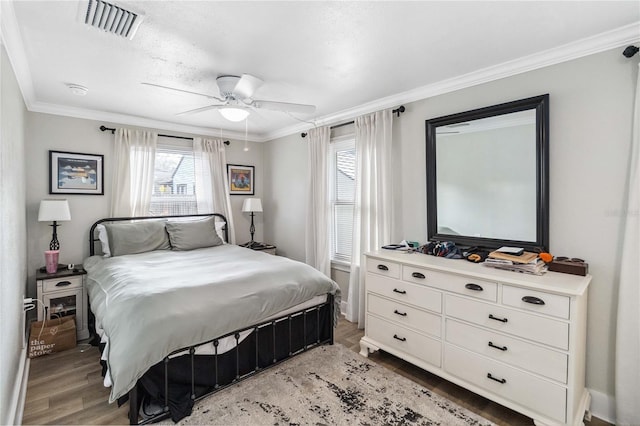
pixel 527 262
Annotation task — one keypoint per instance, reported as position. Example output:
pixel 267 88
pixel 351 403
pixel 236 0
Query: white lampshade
pixel 252 205
pixel 54 210
pixel 234 114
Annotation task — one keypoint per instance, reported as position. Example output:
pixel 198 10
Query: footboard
pixel 275 341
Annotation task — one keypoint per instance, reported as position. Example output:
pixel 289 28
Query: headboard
pixel 93 239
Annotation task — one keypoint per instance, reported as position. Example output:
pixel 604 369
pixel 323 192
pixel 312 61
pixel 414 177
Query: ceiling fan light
pixel 234 114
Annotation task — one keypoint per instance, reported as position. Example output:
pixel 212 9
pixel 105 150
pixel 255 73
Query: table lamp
pixel 53 211
pixel 252 205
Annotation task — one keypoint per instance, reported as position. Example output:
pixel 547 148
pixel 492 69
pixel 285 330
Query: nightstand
pixel 265 248
pixel 64 293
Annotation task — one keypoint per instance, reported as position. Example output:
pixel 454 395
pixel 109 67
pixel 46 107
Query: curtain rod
pixel 113 131
pixel 397 111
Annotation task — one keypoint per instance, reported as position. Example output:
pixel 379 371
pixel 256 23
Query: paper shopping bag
pixel 51 336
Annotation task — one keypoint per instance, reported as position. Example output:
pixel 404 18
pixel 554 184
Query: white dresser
pixel 516 339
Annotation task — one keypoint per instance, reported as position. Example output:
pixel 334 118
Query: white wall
pixel 591 101
pixel 13 239
pixel 51 132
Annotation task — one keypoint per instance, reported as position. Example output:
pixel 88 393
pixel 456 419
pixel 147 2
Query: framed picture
pixel 75 173
pixel 241 179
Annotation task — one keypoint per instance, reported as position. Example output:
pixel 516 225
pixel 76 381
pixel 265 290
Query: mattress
pixel 225 344
pixel 150 304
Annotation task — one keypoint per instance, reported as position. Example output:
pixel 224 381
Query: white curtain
pixel 628 329
pixel 318 211
pixel 373 203
pixel 132 183
pixel 212 194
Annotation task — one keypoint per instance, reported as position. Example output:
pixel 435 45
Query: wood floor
pixel 66 388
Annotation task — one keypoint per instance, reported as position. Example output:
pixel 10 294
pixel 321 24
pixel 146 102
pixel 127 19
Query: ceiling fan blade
pixel 284 106
pixel 183 91
pixel 202 109
pixel 247 85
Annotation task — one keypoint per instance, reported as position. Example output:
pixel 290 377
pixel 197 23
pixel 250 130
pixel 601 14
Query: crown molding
pixel 627 34
pixel 12 38
pixel 131 120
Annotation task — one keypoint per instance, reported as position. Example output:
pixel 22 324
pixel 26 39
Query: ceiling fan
pixel 235 99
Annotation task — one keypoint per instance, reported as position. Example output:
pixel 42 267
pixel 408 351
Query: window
pixel 173 183
pixel 342 193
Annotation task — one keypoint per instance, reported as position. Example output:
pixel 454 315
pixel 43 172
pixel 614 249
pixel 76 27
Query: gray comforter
pixel 151 304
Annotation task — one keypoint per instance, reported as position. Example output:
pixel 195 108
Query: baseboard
pixel 16 407
pixel 603 406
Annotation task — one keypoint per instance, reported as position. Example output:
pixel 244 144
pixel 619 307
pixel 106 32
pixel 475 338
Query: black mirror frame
pixel 541 106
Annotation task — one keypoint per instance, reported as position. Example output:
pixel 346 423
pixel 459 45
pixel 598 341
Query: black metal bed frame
pixel 93 239
pixel 133 396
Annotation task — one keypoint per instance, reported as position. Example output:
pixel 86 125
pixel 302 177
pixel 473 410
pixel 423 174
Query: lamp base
pixel 59 268
pixel 252 244
pixel 51 261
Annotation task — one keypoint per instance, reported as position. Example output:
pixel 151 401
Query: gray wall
pixel 285 177
pixel 51 132
pixel 286 172
pixel 13 238
pixel 591 102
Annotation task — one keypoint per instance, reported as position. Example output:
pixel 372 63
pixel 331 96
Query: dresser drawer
pixel 468 286
pixel 383 267
pixel 544 330
pixel 405 340
pixel 401 291
pixel 536 301
pixel 542 396
pixel 405 315
pixel 61 283
pixel 531 357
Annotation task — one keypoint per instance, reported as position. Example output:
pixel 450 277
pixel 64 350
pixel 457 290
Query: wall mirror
pixel 488 176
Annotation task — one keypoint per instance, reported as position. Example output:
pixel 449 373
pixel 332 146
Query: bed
pixel 180 314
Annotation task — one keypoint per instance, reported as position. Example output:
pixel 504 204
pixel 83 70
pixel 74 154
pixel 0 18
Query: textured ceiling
pixel 338 56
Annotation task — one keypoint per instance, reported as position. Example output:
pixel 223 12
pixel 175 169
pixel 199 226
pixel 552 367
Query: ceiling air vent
pixel 110 17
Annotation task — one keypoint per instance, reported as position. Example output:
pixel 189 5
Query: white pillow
pixel 104 240
pixel 220 232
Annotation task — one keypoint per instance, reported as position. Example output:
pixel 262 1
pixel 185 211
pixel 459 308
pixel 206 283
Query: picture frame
pixel 76 173
pixel 241 179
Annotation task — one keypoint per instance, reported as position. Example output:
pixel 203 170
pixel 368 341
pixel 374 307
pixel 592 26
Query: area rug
pixel 329 385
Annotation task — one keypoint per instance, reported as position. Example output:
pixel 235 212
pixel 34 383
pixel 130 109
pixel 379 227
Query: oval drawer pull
pixel 63 283
pixel 383 267
pixel 402 314
pixel 503 381
pixel 498 319
pixel 395 290
pixel 418 275
pixel 402 339
pixel 474 287
pixel 533 300
pixel 502 348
